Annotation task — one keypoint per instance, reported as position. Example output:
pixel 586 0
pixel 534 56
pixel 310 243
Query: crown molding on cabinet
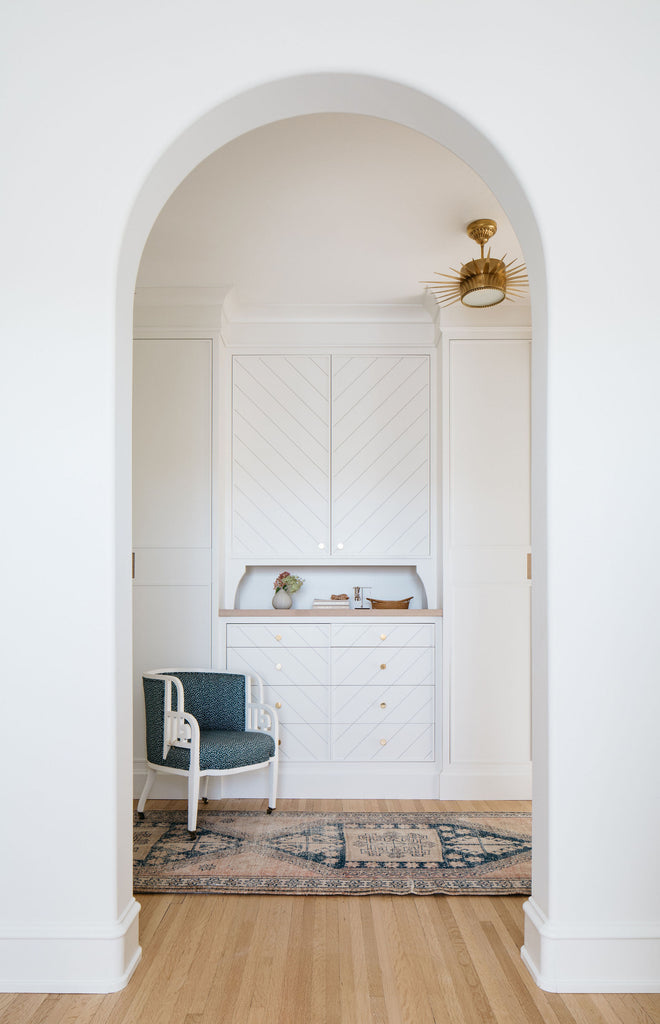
pixel 218 310
pixel 409 324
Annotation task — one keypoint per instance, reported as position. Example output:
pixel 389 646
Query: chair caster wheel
pixel 192 835
pixel 269 810
pixel 140 815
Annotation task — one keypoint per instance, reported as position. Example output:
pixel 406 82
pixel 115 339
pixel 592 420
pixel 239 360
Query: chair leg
pixel 151 775
pixel 193 797
pixel 205 789
pixel 272 778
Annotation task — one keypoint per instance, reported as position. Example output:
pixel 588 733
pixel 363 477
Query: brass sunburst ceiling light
pixel 486 281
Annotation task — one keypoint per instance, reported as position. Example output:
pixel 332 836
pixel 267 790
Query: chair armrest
pixel 180 728
pixel 263 718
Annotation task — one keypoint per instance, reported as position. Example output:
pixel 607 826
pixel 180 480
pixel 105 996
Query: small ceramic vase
pixel 282 599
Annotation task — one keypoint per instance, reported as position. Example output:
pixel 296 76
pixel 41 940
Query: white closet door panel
pixel 382 742
pixel 490 674
pixel 383 704
pixel 172 629
pixel 309 742
pixel 298 704
pixel 490 565
pixel 282 666
pixel 384 634
pixel 278 634
pixel 361 666
pixel 172 443
pixel 380 455
pixel 489 462
pixel 281 454
pixel 173 566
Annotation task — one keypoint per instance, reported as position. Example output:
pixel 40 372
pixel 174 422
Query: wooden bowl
pixel 375 603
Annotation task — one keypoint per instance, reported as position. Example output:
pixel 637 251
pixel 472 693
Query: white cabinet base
pixel 486 782
pixel 308 781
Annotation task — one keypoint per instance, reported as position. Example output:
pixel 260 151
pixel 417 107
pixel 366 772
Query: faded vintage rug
pixel 335 853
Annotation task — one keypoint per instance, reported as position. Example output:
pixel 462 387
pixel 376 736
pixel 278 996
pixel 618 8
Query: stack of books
pixel 334 602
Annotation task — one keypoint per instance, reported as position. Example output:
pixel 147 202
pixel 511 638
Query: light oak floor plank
pixel 332 960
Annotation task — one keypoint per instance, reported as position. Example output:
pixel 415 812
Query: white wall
pixel 107 98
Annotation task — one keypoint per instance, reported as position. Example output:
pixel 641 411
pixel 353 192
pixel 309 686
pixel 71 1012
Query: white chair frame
pixel 181 729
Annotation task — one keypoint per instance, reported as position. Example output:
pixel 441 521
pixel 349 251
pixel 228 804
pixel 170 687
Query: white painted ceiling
pixel 322 209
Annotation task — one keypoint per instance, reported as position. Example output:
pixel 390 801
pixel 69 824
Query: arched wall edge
pixel 274 101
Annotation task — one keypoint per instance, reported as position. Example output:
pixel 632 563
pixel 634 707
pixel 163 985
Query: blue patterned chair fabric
pixel 217 701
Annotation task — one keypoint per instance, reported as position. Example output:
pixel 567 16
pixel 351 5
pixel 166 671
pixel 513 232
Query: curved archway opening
pixel 391 101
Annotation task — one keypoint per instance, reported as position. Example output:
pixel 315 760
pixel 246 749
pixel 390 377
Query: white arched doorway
pixel 344 94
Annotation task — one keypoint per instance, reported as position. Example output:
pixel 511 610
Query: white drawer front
pixel 275 634
pixel 299 704
pixel 364 666
pixel 382 705
pixel 282 665
pixel 382 742
pixel 305 742
pixel 384 634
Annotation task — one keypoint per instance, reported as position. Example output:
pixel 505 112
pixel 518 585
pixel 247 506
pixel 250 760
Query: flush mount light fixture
pixel 486 281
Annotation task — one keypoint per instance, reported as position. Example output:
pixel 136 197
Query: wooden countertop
pixel 323 613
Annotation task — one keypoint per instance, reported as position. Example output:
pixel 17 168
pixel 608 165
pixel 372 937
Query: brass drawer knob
pixel 383 743
pixel 383 636
pixel 278 667
pixel 383 704
pixel 278 636
pixel 279 743
pixel 278 703
pixel 383 666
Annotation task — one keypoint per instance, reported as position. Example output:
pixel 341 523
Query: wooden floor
pixel 332 960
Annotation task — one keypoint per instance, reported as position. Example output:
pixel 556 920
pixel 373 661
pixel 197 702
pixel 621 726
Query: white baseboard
pixel 309 781
pixel 57 958
pixel 486 782
pixel 590 958
pixel 338 781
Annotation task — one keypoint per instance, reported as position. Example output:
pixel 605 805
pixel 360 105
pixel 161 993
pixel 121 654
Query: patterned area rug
pixel 329 853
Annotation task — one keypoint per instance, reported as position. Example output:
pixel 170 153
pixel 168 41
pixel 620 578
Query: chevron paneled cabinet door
pixel 330 456
pixel 380 456
pixel 281 456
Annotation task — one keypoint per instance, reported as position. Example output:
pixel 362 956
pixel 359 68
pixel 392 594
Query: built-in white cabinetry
pixel 172 524
pixel 487 592
pixel 347 693
pixel 331 457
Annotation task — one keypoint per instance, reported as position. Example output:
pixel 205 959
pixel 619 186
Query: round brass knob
pixel 383 636
pixel 278 666
pixel 321 545
pixel 383 666
pixel 340 546
pixel 278 703
pixel 278 636
pixel 383 743
pixel 383 704
pixel 279 743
